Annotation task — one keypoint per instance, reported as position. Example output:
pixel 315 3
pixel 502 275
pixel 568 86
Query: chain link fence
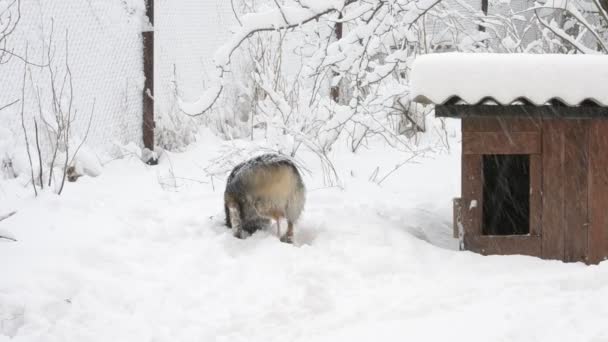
pixel 83 55
pixel 100 43
pixel 187 34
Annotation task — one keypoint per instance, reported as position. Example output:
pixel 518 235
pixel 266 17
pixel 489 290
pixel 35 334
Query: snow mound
pixel 506 78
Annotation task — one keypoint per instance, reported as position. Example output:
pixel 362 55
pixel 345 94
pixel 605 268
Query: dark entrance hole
pixel 506 194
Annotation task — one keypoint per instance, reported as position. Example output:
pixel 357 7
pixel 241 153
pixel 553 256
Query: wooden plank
pixel 553 189
pixel 494 124
pixel 521 111
pixel 501 143
pixel 536 201
pixel 575 190
pixel 457 217
pixel 472 193
pixel 598 192
pixel 504 245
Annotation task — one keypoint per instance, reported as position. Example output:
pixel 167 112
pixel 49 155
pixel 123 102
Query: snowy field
pixel 140 253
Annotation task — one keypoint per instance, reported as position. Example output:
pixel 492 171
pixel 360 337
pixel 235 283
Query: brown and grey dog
pixel 264 188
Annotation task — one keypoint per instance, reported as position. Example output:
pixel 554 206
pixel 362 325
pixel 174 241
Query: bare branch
pixel 248 28
pixel 397 167
pixel 209 105
pixel 68 119
pixel 39 154
pixel 5 216
pixel 27 144
pixel 4 51
pixel 281 11
pixel 564 36
pixel 234 12
pixel 602 7
pixel 86 134
pixel 8 105
pixel 8 238
pixel 247 32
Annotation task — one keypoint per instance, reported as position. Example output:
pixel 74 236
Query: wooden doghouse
pixel 534 161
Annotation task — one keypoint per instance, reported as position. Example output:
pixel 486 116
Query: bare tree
pixel 10 14
pixel 362 47
pixel 360 52
pixel 58 156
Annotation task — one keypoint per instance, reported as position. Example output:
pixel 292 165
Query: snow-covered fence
pixel 100 41
pixel 187 33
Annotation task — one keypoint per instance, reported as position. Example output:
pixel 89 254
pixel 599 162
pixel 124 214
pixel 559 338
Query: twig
pixel 8 238
pixel 68 122
pixel 5 216
pixel 27 143
pixel 217 96
pixel 191 180
pixel 8 105
pixel 235 14
pixel 281 11
pixel 86 134
pixel 397 167
pixel 39 154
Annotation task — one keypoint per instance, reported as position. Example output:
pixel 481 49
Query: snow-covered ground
pixel 140 253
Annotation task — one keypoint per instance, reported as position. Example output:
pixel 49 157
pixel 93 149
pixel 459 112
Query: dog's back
pixel 263 188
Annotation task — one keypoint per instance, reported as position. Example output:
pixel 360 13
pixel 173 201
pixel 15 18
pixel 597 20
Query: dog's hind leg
pixel 288 237
pixel 227 213
pixel 278 226
pixel 234 214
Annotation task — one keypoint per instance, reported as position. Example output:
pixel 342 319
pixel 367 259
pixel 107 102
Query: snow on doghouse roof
pixel 507 78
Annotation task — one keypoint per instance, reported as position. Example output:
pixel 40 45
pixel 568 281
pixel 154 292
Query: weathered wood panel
pixel 598 191
pixel 504 245
pixel 553 189
pixel 493 124
pixel 568 185
pixel 575 182
pixel 501 143
pixel 472 193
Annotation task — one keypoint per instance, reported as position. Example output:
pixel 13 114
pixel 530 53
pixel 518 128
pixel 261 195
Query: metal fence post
pixel 148 96
pixel 484 9
pixel 335 90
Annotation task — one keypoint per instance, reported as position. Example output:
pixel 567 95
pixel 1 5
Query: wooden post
pixel 148 95
pixel 484 9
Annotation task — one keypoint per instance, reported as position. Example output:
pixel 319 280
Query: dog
pixel 265 188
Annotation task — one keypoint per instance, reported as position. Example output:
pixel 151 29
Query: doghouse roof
pixel 505 79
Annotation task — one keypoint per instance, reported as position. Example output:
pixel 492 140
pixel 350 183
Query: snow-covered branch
pixel 277 19
pixel 354 58
pixel 559 32
pixel 378 28
pixel 571 9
